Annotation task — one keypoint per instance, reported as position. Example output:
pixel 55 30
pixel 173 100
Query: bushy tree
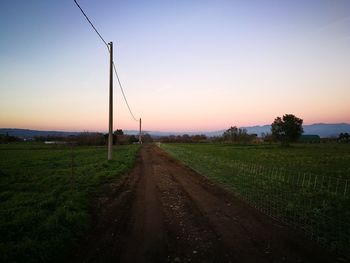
pixel 118 132
pixel 287 129
pixel 231 134
pixel 119 138
pixel 234 134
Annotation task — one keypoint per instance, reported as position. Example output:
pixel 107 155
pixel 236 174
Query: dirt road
pixel 165 212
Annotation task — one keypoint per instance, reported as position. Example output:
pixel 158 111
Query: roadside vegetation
pixel 305 185
pixel 329 159
pixel 46 193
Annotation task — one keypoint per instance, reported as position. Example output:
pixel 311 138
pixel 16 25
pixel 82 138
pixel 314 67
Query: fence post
pixel 72 166
pixel 336 186
pixel 315 182
pixel 346 186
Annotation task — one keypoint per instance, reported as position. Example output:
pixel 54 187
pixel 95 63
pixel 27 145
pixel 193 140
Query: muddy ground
pixel 165 212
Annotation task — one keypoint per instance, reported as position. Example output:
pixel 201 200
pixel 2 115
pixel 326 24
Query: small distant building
pixel 310 138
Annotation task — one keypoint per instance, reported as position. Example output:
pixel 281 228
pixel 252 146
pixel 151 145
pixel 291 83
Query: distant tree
pixel 231 134
pixel 287 129
pixel 122 139
pixel 147 138
pixel 133 139
pixel 244 137
pixel 199 138
pixel 118 132
pixel 89 138
pixel 344 137
pixel 234 134
pixel 267 137
pixel 118 137
pixel 185 138
pixel 7 138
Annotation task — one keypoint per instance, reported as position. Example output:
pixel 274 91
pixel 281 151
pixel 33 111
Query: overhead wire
pixel 87 18
pixel 114 67
pixel 122 90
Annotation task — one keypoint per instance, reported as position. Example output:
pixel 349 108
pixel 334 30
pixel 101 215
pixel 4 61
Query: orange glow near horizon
pixel 162 117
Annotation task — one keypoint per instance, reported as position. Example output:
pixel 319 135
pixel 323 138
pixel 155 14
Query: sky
pixel 184 65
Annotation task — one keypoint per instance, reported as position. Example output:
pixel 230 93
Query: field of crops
pixel 45 194
pixel 306 186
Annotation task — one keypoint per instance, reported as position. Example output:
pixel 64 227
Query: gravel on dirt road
pixel 163 211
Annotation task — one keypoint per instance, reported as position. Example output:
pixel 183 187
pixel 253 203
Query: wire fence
pixel 319 205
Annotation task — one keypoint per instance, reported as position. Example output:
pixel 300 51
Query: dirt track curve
pixel 165 212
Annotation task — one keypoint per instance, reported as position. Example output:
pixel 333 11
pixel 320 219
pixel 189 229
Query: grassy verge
pixel 326 159
pixel 45 194
pixel 306 186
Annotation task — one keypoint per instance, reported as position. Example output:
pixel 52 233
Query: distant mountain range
pixel 321 129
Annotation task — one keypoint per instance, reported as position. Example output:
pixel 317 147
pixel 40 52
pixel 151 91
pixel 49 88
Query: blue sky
pixel 185 65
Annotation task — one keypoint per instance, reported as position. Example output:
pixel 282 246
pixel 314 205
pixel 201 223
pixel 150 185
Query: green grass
pixel 306 186
pixel 45 196
pixel 323 159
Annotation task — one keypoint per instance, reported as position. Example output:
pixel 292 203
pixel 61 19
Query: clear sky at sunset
pixel 185 65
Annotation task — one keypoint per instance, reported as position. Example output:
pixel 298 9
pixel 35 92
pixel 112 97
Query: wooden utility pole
pixel 140 133
pixel 110 135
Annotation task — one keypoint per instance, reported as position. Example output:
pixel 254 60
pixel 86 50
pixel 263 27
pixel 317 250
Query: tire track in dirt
pixel 165 212
pixel 147 235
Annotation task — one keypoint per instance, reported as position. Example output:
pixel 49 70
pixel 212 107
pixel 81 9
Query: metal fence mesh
pixel 319 205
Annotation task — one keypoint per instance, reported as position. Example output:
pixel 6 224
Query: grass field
pixel 306 186
pixel 325 159
pixel 45 194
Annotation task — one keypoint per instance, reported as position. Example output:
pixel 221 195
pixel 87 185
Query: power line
pixel 121 88
pixel 87 18
pixel 115 69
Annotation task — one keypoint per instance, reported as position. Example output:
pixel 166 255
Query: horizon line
pixel 164 131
